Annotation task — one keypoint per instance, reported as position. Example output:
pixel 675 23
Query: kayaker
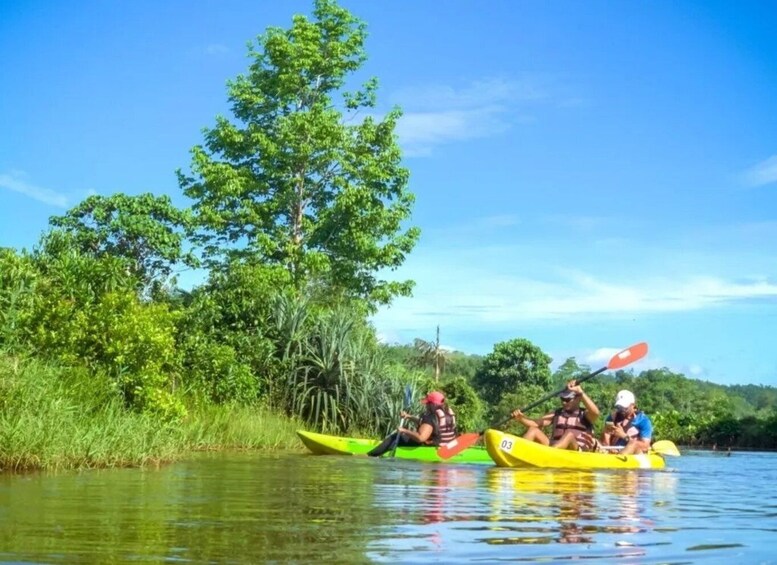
pixel 434 426
pixel 572 425
pixel 627 426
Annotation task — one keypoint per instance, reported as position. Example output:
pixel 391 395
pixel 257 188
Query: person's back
pixel 443 422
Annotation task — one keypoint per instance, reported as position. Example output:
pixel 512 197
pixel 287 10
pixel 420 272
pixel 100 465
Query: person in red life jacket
pixel 434 426
pixel 572 426
pixel 627 426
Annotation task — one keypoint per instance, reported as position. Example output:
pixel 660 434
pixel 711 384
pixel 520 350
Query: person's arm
pixel 415 419
pixel 528 422
pixel 641 443
pixel 608 431
pixel 591 409
pixel 533 423
pixel 423 434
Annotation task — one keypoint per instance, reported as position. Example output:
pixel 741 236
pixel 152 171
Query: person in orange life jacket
pixel 572 426
pixel 434 426
pixel 627 426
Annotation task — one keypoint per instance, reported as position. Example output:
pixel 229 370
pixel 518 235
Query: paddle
pixel 408 402
pixel 665 447
pixel 661 447
pixel 618 361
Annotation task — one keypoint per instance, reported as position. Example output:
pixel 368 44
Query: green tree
pixel 569 369
pixel 299 179
pixel 512 364
pixel 145 229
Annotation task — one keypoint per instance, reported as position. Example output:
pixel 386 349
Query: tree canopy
pixel 511 364
pixel 300 178
pixel 147 230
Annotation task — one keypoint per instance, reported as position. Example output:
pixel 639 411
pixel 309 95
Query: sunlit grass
pixel 237 427
pixel 54 418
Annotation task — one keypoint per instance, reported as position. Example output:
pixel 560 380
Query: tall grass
pixel 237 427
pixel 54 418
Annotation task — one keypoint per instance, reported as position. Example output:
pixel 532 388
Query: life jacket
pixel 576 422
pixel 445 430
pixel 631 430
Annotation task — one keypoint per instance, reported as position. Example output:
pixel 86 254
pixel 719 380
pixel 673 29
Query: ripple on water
pixel 248 508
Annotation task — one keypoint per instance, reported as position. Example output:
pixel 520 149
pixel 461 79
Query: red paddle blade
pixel 455 446
pixel 628 356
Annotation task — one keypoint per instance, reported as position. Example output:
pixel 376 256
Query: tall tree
pixel 299 178
pixel 512 364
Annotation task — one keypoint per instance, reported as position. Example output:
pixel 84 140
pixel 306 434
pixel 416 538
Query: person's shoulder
pixel 641 417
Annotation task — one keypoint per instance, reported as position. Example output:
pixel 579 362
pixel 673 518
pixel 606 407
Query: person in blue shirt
pixel 628 427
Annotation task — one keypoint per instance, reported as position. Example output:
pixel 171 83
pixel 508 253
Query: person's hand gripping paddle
pixel 408 402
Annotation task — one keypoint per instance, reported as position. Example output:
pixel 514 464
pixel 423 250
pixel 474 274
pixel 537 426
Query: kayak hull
pixel 512 451
pixel 321 444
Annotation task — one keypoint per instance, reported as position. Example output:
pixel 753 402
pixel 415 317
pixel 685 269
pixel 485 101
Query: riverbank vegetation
pixel 298 209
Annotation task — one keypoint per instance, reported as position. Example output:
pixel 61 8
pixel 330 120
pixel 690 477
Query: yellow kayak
pixel 512 451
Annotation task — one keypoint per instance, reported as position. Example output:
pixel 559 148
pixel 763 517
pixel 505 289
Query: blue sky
pixel 588 175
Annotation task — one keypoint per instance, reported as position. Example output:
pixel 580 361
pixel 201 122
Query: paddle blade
pixel 665 447
pixel 628 356
pixel 456 446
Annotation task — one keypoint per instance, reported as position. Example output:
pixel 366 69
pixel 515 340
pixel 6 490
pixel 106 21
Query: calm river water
pixel 255 508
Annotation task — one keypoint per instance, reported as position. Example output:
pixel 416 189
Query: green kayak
pixel 321 444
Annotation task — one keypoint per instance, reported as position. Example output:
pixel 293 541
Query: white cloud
pixel 477 296
pixel 216 49
pixel 420 132
pixel 15 183
pixel 495 91
pixel 435 115
pixel 601 356
pixel 762 173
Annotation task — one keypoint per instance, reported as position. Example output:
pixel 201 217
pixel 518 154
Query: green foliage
pixel 293 181
pixel 465 402
pixel 457 363
pixel 146 230
pixel 567 371
pixel 228 336
pixel 462 364
pixel 54 417
pixel 523 396
pixel 336 383
pixel 85 311
pixel 18 284
pixel 513 363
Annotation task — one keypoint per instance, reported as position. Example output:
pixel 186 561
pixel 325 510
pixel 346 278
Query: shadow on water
pixel 249 508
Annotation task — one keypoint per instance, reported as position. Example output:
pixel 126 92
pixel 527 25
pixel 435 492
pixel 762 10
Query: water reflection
pixel 249 508
pixel 539 507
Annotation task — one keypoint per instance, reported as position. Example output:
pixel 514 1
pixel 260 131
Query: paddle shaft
pixel 548 397
pixel 408 400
